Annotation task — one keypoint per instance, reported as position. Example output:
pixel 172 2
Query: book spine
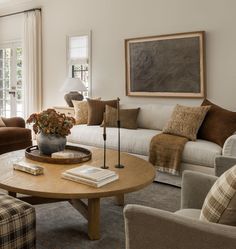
pixel 78 179
pixel 103 177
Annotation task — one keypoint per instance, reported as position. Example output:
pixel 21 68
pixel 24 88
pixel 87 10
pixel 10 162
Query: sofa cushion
pixel 96 108
pixel 128 117
pixel 218 125
pixel 185 121
pixel 153 116
pixel 201 152
pixel 220 203
pixel 132 141
pixel 137 141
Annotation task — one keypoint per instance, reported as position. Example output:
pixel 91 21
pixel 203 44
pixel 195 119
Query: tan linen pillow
pixel 220 203
pixel 96 108
pixel 128 117
pixel 81 111
pixel 2 124
pixel 185 121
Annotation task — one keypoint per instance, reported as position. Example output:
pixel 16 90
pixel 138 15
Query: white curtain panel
pixel 32 62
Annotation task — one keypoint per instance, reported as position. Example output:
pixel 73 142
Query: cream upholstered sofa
pixel 197 156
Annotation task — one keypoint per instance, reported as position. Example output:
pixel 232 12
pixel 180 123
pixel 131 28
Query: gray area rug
pixel 60 226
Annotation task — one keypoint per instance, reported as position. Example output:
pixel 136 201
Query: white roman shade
pixel 78 50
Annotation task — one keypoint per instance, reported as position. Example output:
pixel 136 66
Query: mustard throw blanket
pixel 166 152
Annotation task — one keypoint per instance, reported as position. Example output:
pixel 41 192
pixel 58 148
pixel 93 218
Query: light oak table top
pixel 137 174
pixel 50 187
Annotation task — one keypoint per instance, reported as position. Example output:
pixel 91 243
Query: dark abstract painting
pixel 171 65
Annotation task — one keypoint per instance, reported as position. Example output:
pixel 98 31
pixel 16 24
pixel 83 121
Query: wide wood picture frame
pixel 166 66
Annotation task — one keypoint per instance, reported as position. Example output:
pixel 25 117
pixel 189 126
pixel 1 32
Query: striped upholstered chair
pixel 17 224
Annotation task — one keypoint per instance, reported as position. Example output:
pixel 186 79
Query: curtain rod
pixel 20 12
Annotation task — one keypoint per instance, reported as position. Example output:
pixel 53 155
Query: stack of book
pixel 90 175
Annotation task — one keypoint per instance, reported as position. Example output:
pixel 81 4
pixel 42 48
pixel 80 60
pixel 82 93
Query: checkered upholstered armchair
pixel 17 224
pixel 149 228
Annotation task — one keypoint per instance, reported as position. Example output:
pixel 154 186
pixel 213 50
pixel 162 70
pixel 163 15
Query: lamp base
pixel 73 96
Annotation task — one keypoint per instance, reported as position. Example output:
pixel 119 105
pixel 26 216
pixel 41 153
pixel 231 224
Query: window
pixel 11 88
pixel 79 59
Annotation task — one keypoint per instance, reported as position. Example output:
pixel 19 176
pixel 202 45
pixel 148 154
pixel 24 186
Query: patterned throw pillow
pixel 128 117
pixel 220 203
pixel 81 111
pixel 185 121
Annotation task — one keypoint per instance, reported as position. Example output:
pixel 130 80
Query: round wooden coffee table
pixel 50 187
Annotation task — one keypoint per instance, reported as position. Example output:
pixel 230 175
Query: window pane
pixel 78 47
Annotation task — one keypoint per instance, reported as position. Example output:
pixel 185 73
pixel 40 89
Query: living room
pixel 39 63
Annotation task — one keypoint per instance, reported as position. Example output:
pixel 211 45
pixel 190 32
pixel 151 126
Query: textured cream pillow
pixel 220 203
pixel 2 124
pixel 185 121
pixel 81 111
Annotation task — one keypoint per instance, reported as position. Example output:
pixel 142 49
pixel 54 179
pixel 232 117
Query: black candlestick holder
pixel 119 165
pixel 104 152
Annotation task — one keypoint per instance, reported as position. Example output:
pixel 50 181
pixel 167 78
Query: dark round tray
pixel 81 155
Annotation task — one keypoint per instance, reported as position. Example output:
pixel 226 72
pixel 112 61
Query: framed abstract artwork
pixel 166 66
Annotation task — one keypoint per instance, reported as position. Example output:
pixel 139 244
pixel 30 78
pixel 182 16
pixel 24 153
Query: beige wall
pixel 111 21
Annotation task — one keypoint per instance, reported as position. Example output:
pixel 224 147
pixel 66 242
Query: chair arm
pixel 156 229
pixel 223 163
pixel 229 148
pixel 14 122
pixel 195 186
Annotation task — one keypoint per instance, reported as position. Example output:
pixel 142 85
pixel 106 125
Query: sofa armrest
pixel 156 229
pixel 229 148
pixel 223 163
pixel 14 122
pixel 195 187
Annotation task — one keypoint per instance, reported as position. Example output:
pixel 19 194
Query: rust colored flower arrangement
pixel 51 122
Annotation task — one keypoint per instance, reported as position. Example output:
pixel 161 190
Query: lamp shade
pixel 73 84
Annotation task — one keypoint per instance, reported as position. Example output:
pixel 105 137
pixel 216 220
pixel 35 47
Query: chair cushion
pixel 185 121
pixel 189 213
pixel 220 203
pixel 11 135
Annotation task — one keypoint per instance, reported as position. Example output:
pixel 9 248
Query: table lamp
pixel 73 87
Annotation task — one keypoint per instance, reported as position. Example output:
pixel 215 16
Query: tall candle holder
pixel 104 145
pixel 118 165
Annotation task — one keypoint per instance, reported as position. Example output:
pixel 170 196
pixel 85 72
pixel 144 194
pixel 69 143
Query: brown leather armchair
pixel 14 136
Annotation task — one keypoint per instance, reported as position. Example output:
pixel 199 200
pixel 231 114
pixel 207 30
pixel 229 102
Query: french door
pixel 11 85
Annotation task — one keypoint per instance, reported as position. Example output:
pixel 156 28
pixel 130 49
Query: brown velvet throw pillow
pixel 185 121
pixel 218 125
pixel 96 108
pixel 128 117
